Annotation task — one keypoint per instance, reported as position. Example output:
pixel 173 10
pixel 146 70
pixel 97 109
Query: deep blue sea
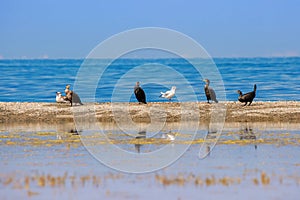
pixel 277 79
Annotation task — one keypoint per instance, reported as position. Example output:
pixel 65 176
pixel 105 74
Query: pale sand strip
pixel 283 111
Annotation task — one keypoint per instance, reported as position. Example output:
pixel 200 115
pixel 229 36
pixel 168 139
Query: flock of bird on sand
pixel 140 95
pixel 71 97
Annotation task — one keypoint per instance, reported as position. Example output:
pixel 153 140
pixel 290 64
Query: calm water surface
pixel 244 152
pixel 278 79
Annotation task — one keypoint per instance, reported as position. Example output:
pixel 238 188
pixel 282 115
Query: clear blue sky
pixel 225 28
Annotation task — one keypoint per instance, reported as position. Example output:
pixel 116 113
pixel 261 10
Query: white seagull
pixel 168 94
pixel 60 98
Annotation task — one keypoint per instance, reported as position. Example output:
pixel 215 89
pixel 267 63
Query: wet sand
pixel 283 111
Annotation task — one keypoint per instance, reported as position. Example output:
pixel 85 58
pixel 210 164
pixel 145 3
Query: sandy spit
pixel 283 111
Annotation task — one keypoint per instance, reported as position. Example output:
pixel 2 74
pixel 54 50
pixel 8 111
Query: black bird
pixel 72 97
pixel 248 97
pixel 139 93
pixel 209 92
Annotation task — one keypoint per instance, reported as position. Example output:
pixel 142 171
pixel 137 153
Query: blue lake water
pixel 277 79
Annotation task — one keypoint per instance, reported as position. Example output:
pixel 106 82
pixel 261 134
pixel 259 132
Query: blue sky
pixel 71 29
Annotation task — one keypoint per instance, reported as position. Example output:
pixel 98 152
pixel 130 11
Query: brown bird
pixel 248 97
pixel 72 97
pixel 67 89
pixel 209 92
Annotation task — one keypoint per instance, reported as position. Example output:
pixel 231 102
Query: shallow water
pixel 253 160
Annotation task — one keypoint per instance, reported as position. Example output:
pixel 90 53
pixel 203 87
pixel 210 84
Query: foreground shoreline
pixel 29 112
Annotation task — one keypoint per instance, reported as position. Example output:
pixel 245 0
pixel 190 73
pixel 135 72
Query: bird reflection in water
pixel 211 136
pixel 61 136
pixel 74 131
pixel 66 130
pixel 210 141
pixel 248 134
pixel 168 136
pixel 140 135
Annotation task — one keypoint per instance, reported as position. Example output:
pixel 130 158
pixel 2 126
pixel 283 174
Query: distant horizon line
pixel 216 57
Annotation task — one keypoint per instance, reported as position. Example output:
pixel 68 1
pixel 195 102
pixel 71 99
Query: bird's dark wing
pixel 76 98
pixel 248 96
pixel 140 95
pixel 212 94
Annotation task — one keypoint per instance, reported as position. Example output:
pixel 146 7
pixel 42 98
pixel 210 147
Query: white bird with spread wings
pixel 168 94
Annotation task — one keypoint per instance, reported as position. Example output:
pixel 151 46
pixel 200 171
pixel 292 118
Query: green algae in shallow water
pixel 50 139
pixel 46 133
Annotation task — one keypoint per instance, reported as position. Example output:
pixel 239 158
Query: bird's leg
pixel 250 103
pixel 245 104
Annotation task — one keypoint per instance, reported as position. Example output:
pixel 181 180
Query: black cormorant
pixel 139 93
pixel 248 97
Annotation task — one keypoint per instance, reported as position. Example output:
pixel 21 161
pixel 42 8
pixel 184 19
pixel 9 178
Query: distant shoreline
pixel 151 58
pixel 29 112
